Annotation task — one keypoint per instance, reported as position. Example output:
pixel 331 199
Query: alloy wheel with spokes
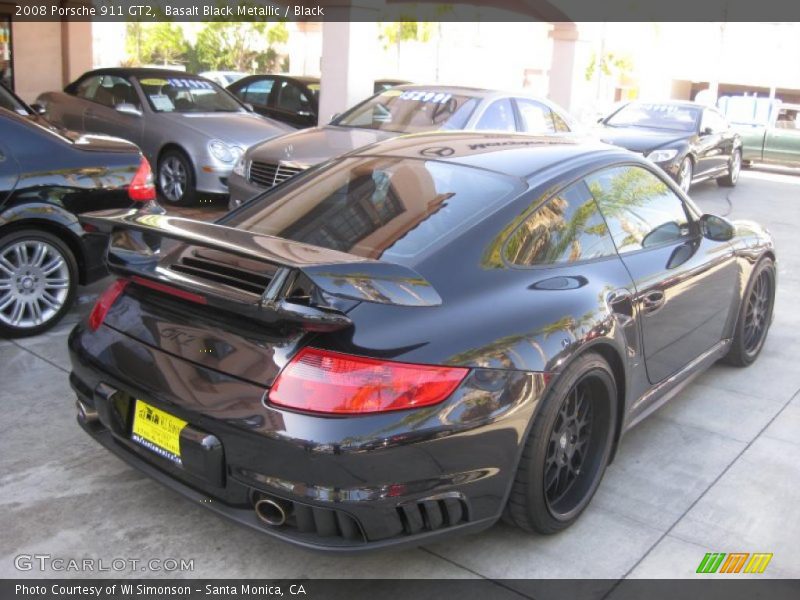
pixel 175 178
pixel 758 313
pixel 567 449
pixel 37 281
pixel 685 172
pixel 755 315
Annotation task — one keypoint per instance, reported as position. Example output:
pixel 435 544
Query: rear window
pixel 377 207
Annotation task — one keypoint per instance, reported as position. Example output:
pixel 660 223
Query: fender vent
pixel 430 515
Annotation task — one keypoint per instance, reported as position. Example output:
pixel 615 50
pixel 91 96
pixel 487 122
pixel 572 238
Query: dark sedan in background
pixel 47 179
pixel 691 142
pixel 293 100
pixel 393 112
pixel 416 338
pixel 191 130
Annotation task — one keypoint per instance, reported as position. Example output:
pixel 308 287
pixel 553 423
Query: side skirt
pixel 666 390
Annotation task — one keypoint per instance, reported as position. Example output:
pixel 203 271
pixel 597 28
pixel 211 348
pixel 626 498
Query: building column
pixel 567 65
pixel 76 49
pixel 348 59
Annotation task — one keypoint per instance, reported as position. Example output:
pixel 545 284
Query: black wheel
pixel 734 167
pixel 567 450
pixel 176 178
pixel 685 174
pixel 38 277
pixel 755 315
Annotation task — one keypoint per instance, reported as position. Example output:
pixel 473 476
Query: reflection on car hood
pixel 313 146
pixel 640 139
pixel 242 129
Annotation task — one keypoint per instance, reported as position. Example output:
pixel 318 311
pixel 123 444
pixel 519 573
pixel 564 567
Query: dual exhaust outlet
pixel 272 511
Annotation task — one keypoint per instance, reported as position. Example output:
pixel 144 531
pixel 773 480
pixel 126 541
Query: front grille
pixel 429 515
pixel 245 275
pixel 267 175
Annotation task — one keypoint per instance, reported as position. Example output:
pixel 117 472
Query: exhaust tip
pixel 85 413
pixel 271 511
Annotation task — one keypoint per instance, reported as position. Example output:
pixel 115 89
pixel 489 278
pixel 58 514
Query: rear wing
pixel 338 274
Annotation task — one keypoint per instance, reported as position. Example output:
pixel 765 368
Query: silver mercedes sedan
pixel 191 130
pixel 396 111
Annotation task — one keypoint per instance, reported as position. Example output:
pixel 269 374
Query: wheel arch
pixel 614 359
pixel 62 232
pixel 174 146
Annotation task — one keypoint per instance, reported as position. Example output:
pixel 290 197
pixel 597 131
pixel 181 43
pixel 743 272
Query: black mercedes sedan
pixel 48 178
pixel 407 342
pixel 691 142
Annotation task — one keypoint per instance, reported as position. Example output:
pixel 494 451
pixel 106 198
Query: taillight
pixel 142 188
pixel 105 302
pixel 330 382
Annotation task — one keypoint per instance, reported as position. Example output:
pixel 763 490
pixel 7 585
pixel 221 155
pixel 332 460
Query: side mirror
pixel 717 228
pixel 38 108
pixel 706 131
pixel 600 119
pixel 128 109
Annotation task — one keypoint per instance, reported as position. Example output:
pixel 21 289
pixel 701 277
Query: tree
pixel 404 31
pixel 240 46
pixel 161 43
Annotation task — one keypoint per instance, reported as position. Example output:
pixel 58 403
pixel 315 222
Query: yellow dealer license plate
pixel 158 431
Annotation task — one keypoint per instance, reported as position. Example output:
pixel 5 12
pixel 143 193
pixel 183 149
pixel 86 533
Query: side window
pixel 291 98
pixel 536 117
pixel 87 88
pixel 787 119
pixel 640 209
pixel 257 93
pixel 114 91
pixel 714 120
pixel 566 228
pixel 498 117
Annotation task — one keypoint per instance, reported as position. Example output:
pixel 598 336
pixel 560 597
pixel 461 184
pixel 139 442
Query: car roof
pixel 518 155
pixel 140 72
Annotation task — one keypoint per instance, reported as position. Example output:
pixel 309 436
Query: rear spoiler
pixel 338 274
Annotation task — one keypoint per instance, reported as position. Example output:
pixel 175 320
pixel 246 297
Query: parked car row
pixel 48 178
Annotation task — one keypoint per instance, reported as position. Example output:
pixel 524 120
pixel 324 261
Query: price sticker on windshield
pixel 424 96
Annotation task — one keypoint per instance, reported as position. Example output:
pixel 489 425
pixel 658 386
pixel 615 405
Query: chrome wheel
pixel 34 283
pixel 758 313
pixel 685 175
pixel 173 178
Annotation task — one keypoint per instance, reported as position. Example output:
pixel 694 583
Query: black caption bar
pixel 403 10
pixel 416 589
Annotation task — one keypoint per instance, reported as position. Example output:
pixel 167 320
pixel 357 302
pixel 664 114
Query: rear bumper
pixel 352 484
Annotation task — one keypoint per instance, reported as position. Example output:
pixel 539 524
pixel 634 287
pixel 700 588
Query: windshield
pixel 9 102
pixel 673 117
pixel 187 94
pixel 410 111
pixel 377 207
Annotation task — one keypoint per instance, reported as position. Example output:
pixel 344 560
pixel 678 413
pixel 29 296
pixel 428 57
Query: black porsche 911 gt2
pixel 414 339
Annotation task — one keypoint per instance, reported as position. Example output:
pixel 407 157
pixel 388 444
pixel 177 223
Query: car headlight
pixel 658 156
pixel 223 152
pixel 238 168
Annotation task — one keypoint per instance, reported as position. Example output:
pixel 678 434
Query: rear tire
pixel 755 315
pixel 567 449
pixel 734 167
pixel 38 279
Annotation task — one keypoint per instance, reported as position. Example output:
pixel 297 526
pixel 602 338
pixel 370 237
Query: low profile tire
pixel 755 315
pixel 685 174
pixel 176 180
pixel 734 167
pixel 567 449
pixel 38 278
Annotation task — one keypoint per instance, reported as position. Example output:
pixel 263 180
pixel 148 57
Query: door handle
pixel 653 301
